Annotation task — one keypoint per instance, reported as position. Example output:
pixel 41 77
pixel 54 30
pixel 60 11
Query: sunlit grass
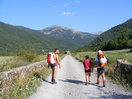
pixel 10 62
pixel 23 88
pixel 112 56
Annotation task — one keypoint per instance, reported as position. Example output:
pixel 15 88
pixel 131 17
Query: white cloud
pixel 66 4
pixel 67 13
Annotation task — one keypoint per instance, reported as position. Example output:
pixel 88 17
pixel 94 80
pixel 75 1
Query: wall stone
pixel 123 70
pixel 8 78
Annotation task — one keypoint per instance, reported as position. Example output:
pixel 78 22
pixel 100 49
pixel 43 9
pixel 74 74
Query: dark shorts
pixel 53 65
pixel 101 70
pixel 87 71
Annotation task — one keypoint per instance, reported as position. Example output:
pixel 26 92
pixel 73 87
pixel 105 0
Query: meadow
pixel 112 56
pixel 10 62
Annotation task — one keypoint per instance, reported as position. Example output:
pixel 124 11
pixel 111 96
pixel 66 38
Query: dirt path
pixel 70 85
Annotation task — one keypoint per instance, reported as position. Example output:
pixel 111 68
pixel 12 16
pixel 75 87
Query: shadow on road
pixel 73 81
pixel 79 82
pixel 47 81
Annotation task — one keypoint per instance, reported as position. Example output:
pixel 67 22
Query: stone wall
pixel 123 70
pixel 8 78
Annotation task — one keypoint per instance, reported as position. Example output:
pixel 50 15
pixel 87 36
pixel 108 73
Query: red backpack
pixel 50 58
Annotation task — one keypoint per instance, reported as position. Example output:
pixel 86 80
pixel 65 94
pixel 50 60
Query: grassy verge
pixel 23 88
pixel 112 57
pixel 9 62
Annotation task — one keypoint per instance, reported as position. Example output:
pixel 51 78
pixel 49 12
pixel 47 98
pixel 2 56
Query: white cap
pixel 100 52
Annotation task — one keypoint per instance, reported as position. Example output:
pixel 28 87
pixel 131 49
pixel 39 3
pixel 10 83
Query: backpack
pixel 50 58
pixel 102 61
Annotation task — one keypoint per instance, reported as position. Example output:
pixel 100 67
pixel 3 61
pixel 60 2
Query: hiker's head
pixel 56 50
pixel 86 57
pixel 99 53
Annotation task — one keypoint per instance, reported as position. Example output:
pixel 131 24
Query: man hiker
pixel 53 62
pixel 101 61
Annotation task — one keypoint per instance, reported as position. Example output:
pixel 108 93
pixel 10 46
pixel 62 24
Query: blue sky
pixel 83 15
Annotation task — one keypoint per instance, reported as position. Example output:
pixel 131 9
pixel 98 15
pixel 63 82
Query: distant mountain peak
pixel 56 28
pixel 68 34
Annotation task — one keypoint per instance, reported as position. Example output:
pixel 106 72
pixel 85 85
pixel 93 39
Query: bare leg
pixel 104 80
pixel 103 76
pixel 55 71
pixel 98 74
pixel 86 77
pixel 89 75
pixel 52 74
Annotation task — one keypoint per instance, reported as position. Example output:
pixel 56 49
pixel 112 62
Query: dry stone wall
pixel 123 70
pixel 8 78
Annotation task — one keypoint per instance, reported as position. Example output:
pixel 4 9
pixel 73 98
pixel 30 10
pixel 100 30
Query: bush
pixel 28 55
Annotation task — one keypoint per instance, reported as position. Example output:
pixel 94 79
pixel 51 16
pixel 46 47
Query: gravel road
pixel 71 85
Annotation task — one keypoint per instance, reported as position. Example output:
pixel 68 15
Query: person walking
pixel 87 68
pixel 101 62
pixel 53 62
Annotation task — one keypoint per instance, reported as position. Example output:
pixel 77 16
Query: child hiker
pixel 87 67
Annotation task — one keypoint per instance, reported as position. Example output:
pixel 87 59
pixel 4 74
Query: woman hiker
pixel 101 62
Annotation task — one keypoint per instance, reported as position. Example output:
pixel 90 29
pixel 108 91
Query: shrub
pixel 28 55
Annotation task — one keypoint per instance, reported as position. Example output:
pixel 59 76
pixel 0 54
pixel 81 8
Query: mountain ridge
pixel 14 38
pixel 69 34
pixel 118 37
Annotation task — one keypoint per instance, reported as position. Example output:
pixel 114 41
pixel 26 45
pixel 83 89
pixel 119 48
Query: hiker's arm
pixel 48 65
pixel 91 66
pixel 48 62
pixel 57 60
pixel 84 65
pixel 96 61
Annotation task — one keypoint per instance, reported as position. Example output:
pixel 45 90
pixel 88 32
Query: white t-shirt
pixel 97 60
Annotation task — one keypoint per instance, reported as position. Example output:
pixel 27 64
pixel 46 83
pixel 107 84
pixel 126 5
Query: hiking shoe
pixel 103 84
pixel 54 82
pixel 97 83
pixel 86 83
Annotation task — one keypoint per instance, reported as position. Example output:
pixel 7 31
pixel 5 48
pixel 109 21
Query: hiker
pixel 53 62
pixel 87 68
pixel 101 62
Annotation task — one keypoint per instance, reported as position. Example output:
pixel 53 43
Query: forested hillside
pixel 118 37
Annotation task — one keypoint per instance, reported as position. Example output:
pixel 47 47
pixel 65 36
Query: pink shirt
pixel 87 64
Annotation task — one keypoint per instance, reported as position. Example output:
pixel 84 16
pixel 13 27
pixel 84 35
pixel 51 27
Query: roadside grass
pixel 10 62
pixel 112 57
pixel 23 88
